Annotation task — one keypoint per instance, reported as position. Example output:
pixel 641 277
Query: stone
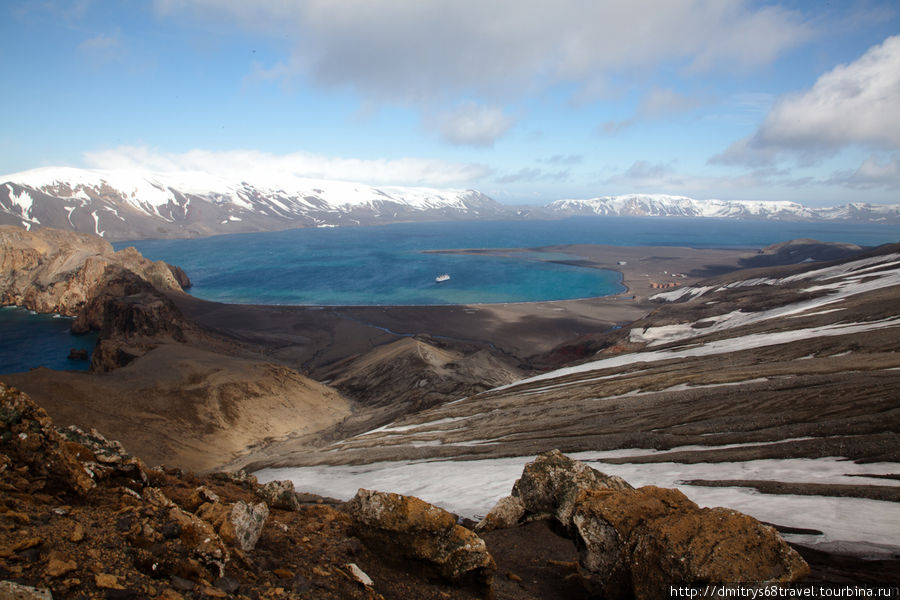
pixel 409 528
pixel 107 581
pixel 506 513
pixel 59 565
pixel 229 585
pixel 239 524
pixel 34 443
pixel 77 533
pixel 10 590
pixel 636 542
pixel 359 575
pixel 280 495
pixel 199 497
pixel 551 484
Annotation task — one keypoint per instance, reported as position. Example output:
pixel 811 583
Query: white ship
pixel 442 278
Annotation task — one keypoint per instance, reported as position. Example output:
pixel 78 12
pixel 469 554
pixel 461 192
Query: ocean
pixel 390 265
pixel 29 340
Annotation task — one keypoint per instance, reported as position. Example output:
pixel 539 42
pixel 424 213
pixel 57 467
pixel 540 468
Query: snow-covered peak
pixel 663 205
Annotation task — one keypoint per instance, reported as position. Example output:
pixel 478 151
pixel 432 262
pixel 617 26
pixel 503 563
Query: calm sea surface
pixel 30 340
pixel 389 265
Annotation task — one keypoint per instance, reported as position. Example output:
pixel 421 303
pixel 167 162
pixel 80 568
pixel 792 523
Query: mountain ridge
pixel 135 204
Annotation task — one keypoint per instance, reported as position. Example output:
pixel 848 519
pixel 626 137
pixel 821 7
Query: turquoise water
pixel 30 340
pixel 389 265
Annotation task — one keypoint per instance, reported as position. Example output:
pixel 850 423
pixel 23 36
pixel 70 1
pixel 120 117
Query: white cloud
pixel 872 173
pixel 853 104
pixel 411 51
pixel 256 165
pixel 473 125
pixel 658 103
pixel 103 48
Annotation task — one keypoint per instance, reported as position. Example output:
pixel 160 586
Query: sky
pixel 528 101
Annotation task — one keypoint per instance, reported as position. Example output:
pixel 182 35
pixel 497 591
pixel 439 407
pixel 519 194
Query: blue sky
pixel 528 101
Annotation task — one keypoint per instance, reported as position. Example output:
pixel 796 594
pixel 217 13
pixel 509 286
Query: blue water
pixel 387 265
pixel 30 340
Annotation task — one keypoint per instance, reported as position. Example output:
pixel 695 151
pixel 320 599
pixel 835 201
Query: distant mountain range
pixel 122 205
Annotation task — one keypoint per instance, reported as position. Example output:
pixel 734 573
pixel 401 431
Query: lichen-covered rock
pixel 102 457
pixel 412 529
pixel 280 495
pixel 239 524
pixel 551 484
pixel 11 590
pixel 27 437
pixel 637 542
pixel 508 512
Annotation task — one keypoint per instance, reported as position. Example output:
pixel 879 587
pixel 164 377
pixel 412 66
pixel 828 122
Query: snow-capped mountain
pixel 660 205
pixel 132 204
pixel 122 205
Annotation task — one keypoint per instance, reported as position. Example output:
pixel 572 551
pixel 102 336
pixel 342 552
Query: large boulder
pixel 551 484
pixel 638 542
pixel 411 529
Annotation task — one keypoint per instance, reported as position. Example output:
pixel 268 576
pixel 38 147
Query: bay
pixel 29 340
pixel 390 264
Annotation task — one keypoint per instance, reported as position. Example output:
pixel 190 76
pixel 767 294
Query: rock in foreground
pixel 636 542
pixel 412 529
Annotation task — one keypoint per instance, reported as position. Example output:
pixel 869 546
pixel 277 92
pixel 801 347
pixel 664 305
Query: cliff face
pixel 53 271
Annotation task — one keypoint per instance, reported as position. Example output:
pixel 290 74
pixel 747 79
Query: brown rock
pixel 107 581
pixel 54 271
pixel 280 495
pixel 200 496
pixel 239 524
pixel 34 443
pixel 551 484
pixel 410 528
pixel 26 543
pixel 58 565
pixel 506 513
pixel 636 542
pixel 77 533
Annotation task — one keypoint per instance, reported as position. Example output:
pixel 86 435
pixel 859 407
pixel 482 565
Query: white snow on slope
pixel 845 280
pixel 736 344
pixel 470 488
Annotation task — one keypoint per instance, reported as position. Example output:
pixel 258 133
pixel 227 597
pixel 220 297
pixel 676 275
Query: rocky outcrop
pixel 552 483
pixel 411 529
pixel 132 316
pixel 30 440
pixel 53 271
pixel 635 542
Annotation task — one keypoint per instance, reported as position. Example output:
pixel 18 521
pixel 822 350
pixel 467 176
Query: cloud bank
pixel 853 105
pixel 256 165
pixel 415 52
